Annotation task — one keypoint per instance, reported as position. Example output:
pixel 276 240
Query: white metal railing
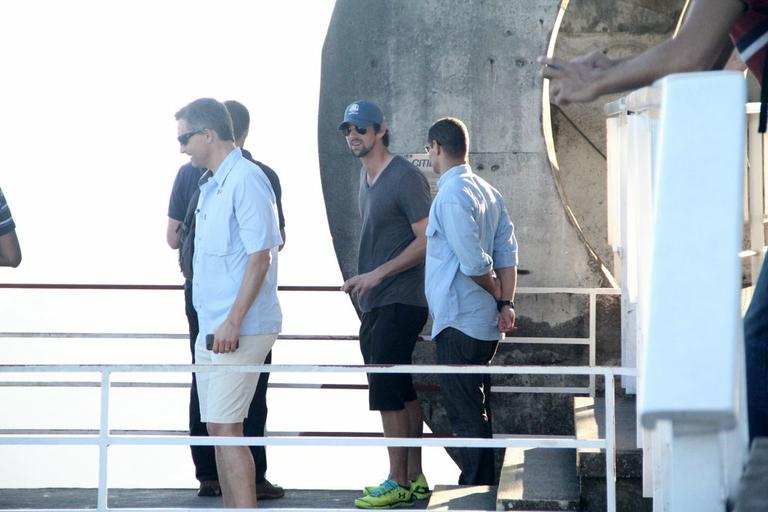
pixel 590 341
pixel 105 438
pixel 675 162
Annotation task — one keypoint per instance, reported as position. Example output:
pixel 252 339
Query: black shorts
pixel 387 336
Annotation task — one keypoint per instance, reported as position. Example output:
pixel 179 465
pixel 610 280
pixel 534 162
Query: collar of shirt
pixel 226 165
pixel 453 171
pixel 204 177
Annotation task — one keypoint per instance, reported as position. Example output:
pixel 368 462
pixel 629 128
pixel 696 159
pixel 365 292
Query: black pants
pixel 387 336
pixel 467 401
pixel 204 457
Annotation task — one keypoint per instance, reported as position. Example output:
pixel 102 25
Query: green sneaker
pixel 420 488
pixel 388 495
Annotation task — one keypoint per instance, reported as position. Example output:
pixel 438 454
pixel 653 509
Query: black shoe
pixel 209 488
pixel 268 491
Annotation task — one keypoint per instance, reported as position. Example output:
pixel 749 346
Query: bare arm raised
pixel 700 45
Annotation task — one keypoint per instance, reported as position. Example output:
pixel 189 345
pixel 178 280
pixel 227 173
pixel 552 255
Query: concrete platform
pixel 753 491
pixel 589 418
pixel 538 479
pixel 463 497
pixel 43 499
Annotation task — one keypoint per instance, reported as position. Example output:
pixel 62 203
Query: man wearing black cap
pixel 394 202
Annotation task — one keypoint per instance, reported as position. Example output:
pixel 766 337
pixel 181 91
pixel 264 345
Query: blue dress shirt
pixel 469 233
pixel 236 217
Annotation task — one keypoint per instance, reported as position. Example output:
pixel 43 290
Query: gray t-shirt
pixel 399 197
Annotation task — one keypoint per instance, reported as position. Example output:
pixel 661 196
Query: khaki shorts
pixel 226 396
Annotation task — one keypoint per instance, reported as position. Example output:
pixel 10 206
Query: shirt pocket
pixel 218 233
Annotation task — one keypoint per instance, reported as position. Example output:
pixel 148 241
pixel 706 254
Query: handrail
pixel 282 288
pixel 590 340
pixel 143 287
pixel 689 376
pixel 106 438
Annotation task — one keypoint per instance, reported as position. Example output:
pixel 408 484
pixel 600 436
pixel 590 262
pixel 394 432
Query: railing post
pixel 689 372
pixel 610 442
pixel 103 441
pixel 592 338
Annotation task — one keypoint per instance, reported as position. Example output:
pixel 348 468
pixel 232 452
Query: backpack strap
pixel 186 230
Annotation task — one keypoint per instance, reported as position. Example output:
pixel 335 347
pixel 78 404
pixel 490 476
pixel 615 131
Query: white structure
pixel 676 161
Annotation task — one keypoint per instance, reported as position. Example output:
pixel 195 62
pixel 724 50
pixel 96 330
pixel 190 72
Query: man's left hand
pixel 360 284
pixel 225 338
pixel 507 319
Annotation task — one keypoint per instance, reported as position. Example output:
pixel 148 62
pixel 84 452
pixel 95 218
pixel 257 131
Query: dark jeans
pixel 756 352
pixel 467 401
pixel 204 457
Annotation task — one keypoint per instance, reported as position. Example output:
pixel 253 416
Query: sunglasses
pixel 184 137
pixel 347 129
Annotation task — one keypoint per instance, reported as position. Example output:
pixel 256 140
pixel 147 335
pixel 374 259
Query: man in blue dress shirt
pixel 470 278
pixel 234 283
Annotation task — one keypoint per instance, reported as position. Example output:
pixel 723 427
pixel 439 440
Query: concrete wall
pixel 619 28
pixel 471 59
pixel 421 60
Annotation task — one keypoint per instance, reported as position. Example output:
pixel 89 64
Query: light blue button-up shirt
pixel 236 216
pixel 468 234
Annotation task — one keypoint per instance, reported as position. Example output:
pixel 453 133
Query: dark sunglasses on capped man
pixel 347 129
pixel 184 137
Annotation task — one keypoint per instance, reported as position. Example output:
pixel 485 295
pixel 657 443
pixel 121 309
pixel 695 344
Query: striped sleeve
pixel 6 221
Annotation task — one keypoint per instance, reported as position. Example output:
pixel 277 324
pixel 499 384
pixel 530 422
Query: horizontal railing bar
pixel 541 389
pixel 447 442
pixel 277 385
pixel 172 385
pixel 110 508
pixel 288 288
pixel 526 290
pixel 162 336
pixel 547 341
pixel 281 433
pixel 284 337
pixel 146 287
pixel 298 368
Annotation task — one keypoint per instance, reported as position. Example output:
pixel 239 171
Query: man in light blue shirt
pixel 470 279
pixel 234 283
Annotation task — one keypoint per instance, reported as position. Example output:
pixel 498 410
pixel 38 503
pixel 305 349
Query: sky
pixel 90 89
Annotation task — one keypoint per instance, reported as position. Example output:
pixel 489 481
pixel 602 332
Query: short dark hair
pixel 208 113
pixel 385 138
pixel 452 135
pixel 241 119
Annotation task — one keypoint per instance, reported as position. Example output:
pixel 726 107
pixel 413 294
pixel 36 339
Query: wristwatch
pixel 501 303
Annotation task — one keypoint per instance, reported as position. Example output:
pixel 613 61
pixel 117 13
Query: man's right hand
pixel 360 284
pixel 506 319
pixel 225 338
